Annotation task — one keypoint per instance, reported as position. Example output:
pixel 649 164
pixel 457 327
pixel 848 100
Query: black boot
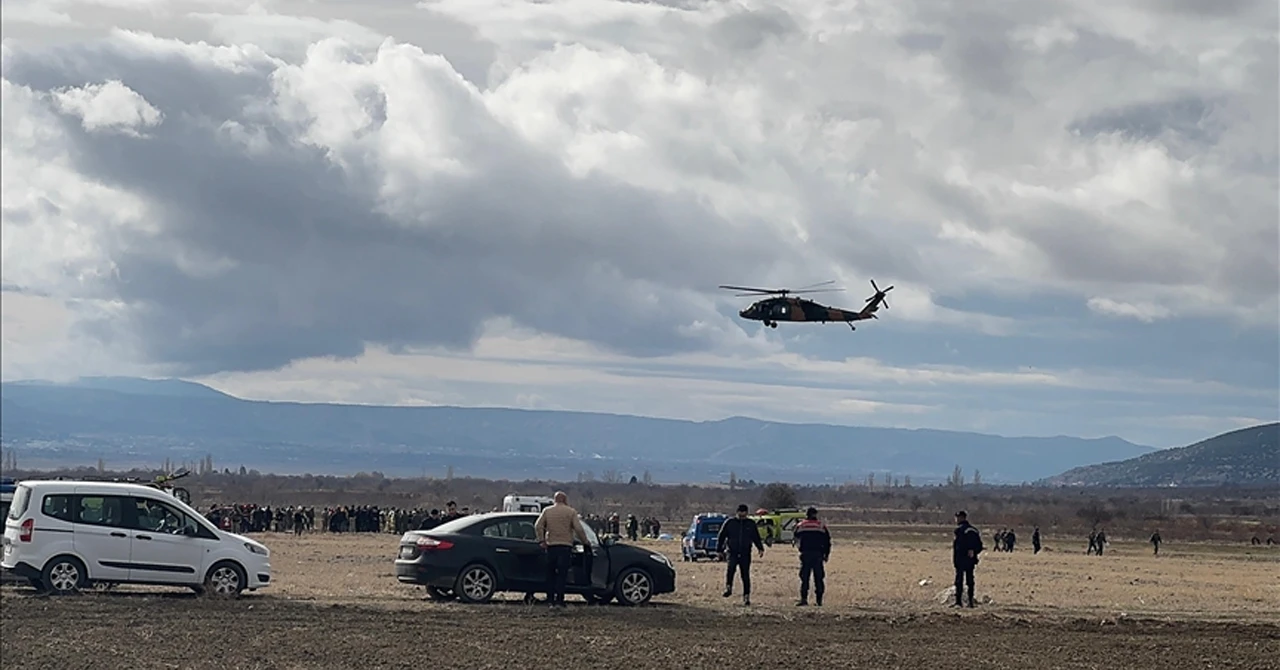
pixel 970 599
pixel 818 599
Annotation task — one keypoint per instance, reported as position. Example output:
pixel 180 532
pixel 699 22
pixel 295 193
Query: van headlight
pixel 661 558
pixel 255 549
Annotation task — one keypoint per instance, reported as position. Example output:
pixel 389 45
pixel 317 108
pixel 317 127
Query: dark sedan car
pixel 476 556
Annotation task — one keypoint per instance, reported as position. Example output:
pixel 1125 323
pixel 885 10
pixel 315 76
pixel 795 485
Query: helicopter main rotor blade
pixel 752 289
pixel 821 283
pixel 818 290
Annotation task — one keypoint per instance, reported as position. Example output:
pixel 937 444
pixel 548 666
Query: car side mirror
pixel 189 531
pixel 609 540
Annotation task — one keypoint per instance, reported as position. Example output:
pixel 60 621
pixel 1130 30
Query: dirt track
pixel 260 631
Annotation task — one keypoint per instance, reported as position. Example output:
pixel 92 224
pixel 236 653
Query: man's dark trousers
pixel 964 574
pixel 741 562
pixel 811 563
pixel 557 572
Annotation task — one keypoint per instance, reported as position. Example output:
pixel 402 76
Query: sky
pixel 531 204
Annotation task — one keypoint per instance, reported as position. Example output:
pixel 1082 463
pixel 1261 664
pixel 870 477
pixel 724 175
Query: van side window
pixel 156 516
pixel 57 507
pixel 101 510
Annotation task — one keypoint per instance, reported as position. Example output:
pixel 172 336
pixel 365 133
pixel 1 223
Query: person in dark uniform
pixel 964 555
pixel 1035 541
pixel 431 521
pixel 814 541
pixel 1155 543
pixel 734 542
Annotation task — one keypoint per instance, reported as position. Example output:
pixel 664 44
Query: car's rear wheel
pixel 634 587
pixel 476 584
pixel 65 574
pixel 225 580
pixel 437 593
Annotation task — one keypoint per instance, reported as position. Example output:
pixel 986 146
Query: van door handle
pixel 118 535
pixel 500 550
pixel 142 537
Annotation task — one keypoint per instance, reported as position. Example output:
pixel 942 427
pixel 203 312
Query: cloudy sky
pixel 530 204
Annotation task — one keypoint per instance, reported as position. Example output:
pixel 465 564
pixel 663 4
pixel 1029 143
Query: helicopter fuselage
pixel 771 311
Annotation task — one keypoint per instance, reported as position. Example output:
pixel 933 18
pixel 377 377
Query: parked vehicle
pixel 514 503
pixel 780 522
pixel 477 556
pixel 767 526
pixel 7 487
pixel 700 538
pixel 64 536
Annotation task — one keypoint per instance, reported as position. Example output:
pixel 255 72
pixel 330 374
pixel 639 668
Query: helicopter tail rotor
pixel 880 294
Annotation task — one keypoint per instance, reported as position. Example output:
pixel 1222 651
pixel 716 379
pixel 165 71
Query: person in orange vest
pixel 814 541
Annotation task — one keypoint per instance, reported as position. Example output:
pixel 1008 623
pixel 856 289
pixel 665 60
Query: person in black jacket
pixel 964 555
pixel 813 539
pixel 734 543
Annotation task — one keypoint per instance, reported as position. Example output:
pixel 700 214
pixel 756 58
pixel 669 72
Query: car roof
pixel 104 487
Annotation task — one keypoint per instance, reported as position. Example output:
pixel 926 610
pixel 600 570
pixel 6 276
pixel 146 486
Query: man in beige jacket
pixel 556 528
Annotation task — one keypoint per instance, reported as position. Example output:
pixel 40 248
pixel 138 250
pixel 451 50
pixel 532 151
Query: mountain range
pixel 1245 457
pixel 130 421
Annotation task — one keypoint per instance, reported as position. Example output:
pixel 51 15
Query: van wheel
pixel 65 574
pixel 225 580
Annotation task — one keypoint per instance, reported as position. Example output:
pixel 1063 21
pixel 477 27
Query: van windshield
pixel 21 498
pixel 710 527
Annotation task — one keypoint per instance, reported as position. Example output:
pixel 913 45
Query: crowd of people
pixel 298 519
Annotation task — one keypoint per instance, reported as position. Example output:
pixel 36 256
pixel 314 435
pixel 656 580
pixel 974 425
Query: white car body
pixel 526 503
pixel 65 535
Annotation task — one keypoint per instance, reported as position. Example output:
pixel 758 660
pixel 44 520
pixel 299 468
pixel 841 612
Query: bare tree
pixel 977 477
pixel 778 496
pixel 611 476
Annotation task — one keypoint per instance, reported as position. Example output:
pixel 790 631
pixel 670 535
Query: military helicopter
pixel 786 308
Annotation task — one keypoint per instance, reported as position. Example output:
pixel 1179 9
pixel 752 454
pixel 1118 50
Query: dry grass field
pixel 336 604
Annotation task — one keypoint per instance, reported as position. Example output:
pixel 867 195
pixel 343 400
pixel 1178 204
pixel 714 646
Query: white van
pixel 526 503
pixel 67 535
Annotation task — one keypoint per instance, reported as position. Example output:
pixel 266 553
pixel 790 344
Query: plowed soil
pixel 334 604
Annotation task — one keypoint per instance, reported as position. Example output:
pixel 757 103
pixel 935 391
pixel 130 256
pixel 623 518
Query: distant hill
pixel 1245 457
pixel 127 421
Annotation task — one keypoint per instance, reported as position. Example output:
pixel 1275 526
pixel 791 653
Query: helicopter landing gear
pixel 771 324
pixel 851 326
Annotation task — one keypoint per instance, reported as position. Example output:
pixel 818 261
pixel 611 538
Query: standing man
pixel 814 541
pixel 964 555
pixel 734 541
pixel 1155 542
pixel 1035 541
pixel 556 529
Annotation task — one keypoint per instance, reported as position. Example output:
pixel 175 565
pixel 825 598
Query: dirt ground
pixel 336 604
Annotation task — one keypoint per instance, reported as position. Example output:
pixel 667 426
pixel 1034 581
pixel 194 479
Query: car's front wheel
pixel 634 587
pixel 476 584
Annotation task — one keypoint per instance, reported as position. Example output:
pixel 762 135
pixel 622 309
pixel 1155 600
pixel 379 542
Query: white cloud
pixel 1144 312
pixel 108 106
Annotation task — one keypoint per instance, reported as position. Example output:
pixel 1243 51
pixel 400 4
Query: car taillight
pixel 28 527
pixel 432 544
